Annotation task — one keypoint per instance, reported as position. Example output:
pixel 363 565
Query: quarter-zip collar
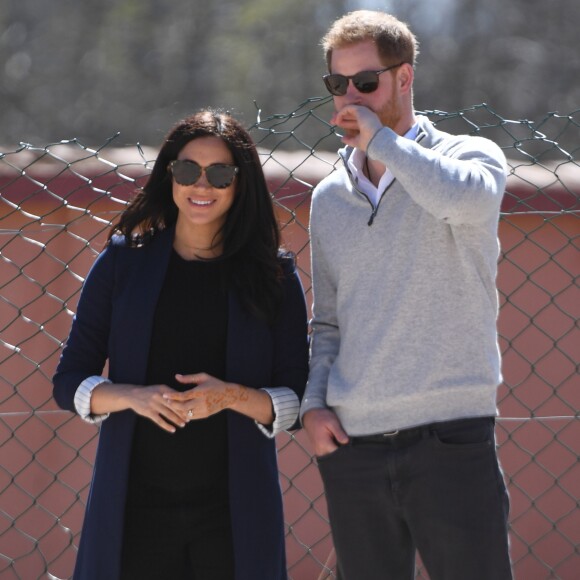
pixel 347 152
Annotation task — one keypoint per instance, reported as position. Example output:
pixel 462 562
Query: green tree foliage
pixel 90 69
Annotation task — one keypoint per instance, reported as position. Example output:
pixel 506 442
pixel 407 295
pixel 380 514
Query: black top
pixel 189 336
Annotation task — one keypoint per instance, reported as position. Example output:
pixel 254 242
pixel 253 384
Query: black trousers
pixel 178 536
pixel 437 489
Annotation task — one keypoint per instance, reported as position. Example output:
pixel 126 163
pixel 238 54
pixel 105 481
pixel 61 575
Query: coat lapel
pixel 140 274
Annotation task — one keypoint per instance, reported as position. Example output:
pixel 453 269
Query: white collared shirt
pixel 356 164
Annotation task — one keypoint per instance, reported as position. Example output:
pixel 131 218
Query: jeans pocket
pixel 467 434
pixel 329 456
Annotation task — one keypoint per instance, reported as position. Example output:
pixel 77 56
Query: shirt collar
pixel 357 159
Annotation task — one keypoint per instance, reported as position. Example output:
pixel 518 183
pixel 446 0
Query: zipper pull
pixel 373 216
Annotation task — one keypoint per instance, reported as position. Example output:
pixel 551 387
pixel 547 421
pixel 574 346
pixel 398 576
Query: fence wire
pixel 57 203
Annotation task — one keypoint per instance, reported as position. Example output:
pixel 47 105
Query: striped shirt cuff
pixel 286 406
pixel 82 399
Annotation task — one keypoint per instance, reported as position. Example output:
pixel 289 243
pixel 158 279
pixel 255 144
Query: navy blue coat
pixel 113 322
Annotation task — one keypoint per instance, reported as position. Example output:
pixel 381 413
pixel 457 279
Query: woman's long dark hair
pixel 250 234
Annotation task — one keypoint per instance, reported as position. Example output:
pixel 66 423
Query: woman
pixel 203 324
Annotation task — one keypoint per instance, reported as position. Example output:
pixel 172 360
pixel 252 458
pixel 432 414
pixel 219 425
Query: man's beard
pixel 390 114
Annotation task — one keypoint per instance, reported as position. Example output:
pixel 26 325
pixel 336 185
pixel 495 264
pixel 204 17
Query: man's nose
pixel 352 95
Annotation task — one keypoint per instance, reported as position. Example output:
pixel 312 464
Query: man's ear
pixel 405 76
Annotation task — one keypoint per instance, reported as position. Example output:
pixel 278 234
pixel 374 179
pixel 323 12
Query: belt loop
pixel 389 434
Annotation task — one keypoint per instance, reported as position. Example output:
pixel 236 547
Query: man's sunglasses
pixel 365 81
pixel 187 172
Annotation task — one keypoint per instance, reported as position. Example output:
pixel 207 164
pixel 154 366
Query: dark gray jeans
pixel 177 536
pixel 437 489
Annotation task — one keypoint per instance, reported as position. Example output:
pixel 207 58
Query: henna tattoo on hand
pixel 216 402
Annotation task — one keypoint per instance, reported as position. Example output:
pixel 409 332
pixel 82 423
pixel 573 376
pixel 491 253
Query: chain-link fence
pixel 56 205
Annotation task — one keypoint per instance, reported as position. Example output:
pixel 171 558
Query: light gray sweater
pixel 405 301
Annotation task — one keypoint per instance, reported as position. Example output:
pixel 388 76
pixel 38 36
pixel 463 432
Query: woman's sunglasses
pixel 365 81
pixel 187 172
